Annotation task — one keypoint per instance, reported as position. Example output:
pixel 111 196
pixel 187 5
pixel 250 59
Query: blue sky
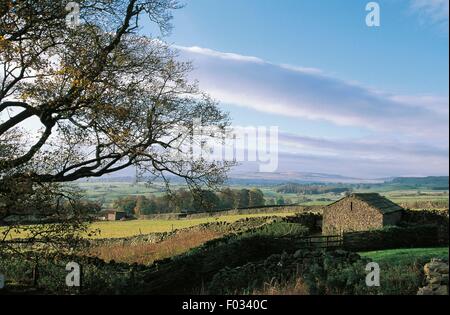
pixel 349 99
pixel 325 34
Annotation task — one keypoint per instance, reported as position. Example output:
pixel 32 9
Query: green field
pixel 118 229
pixel 406 256
pixel 107 192
pixel 406 197
pixel 402 269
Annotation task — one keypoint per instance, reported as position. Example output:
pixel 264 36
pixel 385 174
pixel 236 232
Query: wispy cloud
pixel 361 158
pixel 369 159
pixel 371 149
pixel 357 167
pixel 409 133
pixel 310 94
pixel 434 11
pixel 364 157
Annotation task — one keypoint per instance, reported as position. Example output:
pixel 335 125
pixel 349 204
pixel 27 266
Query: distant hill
pixel 300 178
pixel 430 182
pixel 297 177
pixel 307 189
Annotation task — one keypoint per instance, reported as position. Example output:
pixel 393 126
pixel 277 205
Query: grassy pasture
pixel 402 269
pixel 110 191
pixel 107 192
pixel 119 229
pixel 406 196
pixel 147 253
pixel 406 256
pixel 401 273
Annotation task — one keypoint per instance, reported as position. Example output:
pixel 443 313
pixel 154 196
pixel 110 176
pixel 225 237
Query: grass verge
pixel 406 256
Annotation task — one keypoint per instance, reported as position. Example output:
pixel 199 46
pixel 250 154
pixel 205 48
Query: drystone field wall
pixel 311 220
pixel 436 273
pixel 223 227
pixel 258 210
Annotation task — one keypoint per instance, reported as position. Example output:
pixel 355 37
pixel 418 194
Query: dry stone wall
pixel 436 273
pixel 223 227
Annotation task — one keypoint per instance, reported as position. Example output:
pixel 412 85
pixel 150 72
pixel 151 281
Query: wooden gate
pixel 320 242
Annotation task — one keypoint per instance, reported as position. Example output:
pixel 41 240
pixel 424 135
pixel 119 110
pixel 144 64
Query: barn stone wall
pixel 350 214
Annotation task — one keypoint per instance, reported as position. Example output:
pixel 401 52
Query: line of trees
pixel 185 200
pixel 294 188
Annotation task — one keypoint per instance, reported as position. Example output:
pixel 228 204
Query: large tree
pixel 83 101
pixel 256 198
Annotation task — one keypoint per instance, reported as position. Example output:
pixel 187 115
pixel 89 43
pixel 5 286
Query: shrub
pixel 319 272
pixel 392 237
pixel 280 229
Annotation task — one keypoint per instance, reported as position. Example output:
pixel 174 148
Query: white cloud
pixel 369 158
pixel 361 158
pixel 409 132
pixel 357 167
pixel 222 55
pixel 377 150
pixel 436 11
pixel 302 69
pixel 434 103
pixel 311 94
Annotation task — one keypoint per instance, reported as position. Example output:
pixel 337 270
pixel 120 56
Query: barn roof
pixel 378 202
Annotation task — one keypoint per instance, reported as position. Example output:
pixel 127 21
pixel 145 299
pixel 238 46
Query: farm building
pixel 360 212
pixel 112 215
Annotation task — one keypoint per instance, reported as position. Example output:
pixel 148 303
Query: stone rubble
pixel 436 273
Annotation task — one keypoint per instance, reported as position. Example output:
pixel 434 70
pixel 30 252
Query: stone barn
pixel 111 215
pixel 360 212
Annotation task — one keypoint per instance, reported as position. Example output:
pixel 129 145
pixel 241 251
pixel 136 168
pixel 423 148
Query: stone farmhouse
pixel 360 212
